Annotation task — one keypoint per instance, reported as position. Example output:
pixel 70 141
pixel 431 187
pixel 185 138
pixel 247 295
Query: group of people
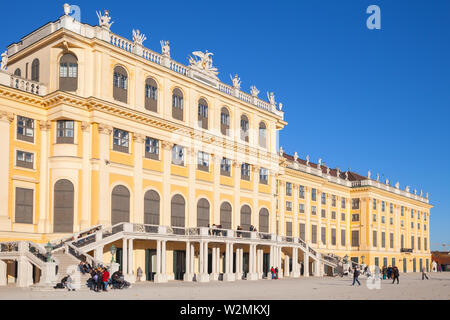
pixel 274 272
pixel 389 273
pixel 99 279
pixel 216 230
pixel 239 229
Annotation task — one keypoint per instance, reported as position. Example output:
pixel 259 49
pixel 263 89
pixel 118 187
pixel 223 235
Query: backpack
pixel 357 273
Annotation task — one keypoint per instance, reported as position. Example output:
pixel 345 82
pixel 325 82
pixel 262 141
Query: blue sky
pixel 357 98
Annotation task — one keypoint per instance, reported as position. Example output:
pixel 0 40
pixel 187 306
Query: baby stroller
pixel 119 283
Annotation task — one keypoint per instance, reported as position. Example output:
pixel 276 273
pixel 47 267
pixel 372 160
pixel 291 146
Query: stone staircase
pixel 66 264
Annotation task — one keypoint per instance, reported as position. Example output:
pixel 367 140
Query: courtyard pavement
pixel 411 287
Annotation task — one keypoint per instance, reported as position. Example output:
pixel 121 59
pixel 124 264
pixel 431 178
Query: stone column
pixel 286 266
pixel 215 264
pixel 317 268
pixel 279 262
pixel 104 215
pixel 6 118
pixel 188 274
pixel 160 275
pixel 252 275
pixel 138 215
pixel 295 265
pixel 43 223
pixel 260 263
pixel 166 159
pixel 306 265
pixel 86 177
pixel 98 254
pixel 203 263
pixel 130 257
pixel 3 273
pixel 24 272
pixel 125 256
pixel 229 275
pixel 192 258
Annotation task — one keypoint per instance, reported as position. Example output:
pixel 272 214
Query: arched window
pixel 177 104
pixel 203 114
pixel 244 128
pixel 18 72
pixel 120 84
pixel 246 217
pixel 262 135
pixel 264 220
pixel 35 70
pixel 63 207
pixel 203 213
pixel 151 95
pixel 120 205
pixel 225 215
pixel 225 121
pixel 177 212
pixel 68 72
pixel 151 207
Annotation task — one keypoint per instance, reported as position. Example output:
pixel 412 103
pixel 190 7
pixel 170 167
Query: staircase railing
pixel 82 256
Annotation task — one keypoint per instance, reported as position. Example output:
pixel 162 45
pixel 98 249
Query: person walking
pixel 105 276
pixel 389 272
pixel 424 275
pixel 395 275
pixel 276 273
pixel 355 276
pixel 272 270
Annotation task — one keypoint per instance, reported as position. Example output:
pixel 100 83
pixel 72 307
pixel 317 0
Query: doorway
pixel 150 264
pixel 179 264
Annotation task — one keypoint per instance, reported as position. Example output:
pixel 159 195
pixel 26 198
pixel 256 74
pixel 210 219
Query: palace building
pixel 116 152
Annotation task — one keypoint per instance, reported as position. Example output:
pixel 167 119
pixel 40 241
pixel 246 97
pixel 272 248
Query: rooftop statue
pixel 407 189
pixel 295 156
pixel 104 20
pixel 421 193
pixel 378 177
pixel 319 164
pixel 281 151
pixel 307 160
pixel 346 175
pixel 387 181
pixel 4 64
pixel 328 170
pixel 280 106
pixel 236 81
pixel 271 97
pixel 165 48
pixel 254 91
pixel 368 174
pixel 203 63
pixel 138 37
pixel 397 185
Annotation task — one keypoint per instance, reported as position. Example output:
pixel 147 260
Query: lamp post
pixel 113 251
pixel 345 258
pixel 48 248
pixel 362 259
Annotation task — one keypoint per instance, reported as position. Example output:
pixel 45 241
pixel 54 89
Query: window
pixel 203 161
pixel 333 201
pixel 225 167
pixel 244 128
pixel 18 72
pixel 402 241
pixel 383 206
pixel 343 203
pixel 355 217
pixel 424 216
pixel 412 242
pixel 313 233
pixel 24 206
pixel 383 239
pixel 65 131
pixel 68 73
pixel 25 159
pixel 333 215
pixel 301 208
pixel 323 235
pixel 177 104
pixel 402 223
pixel 391 221
pixel 355 203
pixel 262 135
pixel 302 231
pixel 203 208
pixel 324 198
pixel 418 226
pixel 333 237
pixel 323 213
pixel 263 176
pixel 355 238
pixel 120 84
pixel 313 210
pixel 288 189
pixel 374 238
pixel 418 214
pixel 412 213
pixel 425 244
pixel 391 240
pixel 35 70
pixel 301 192
pixel 425 227
pixel 264 220
pixel 383 219
pixel 178 155
pixel 245 171
pixel 342 216
pixel 374 219
pixel 151 95
pixel 225 121
pixel 152 148
pixel 63 207
pixel 151 208
pixel 288 206
pixel 25 129
pixel 203 114
pixel 402 210
pixel 391 208
pixel 343 237
pixel 412 225
pixel 374 204
pixel 313 194
pixel 121 140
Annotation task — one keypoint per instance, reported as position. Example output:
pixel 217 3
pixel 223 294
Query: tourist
pixel 139 273
pixel 68 283
pixel 272 270
pixel 355 276
pixel 395 275
pixel 383 271
pixel 105 277
pixel 99 279
pixel 81 267
pixel 389 272
pixel 424 275
pixel 276 273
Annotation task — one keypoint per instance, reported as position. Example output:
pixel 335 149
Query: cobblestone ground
pixel 411 287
